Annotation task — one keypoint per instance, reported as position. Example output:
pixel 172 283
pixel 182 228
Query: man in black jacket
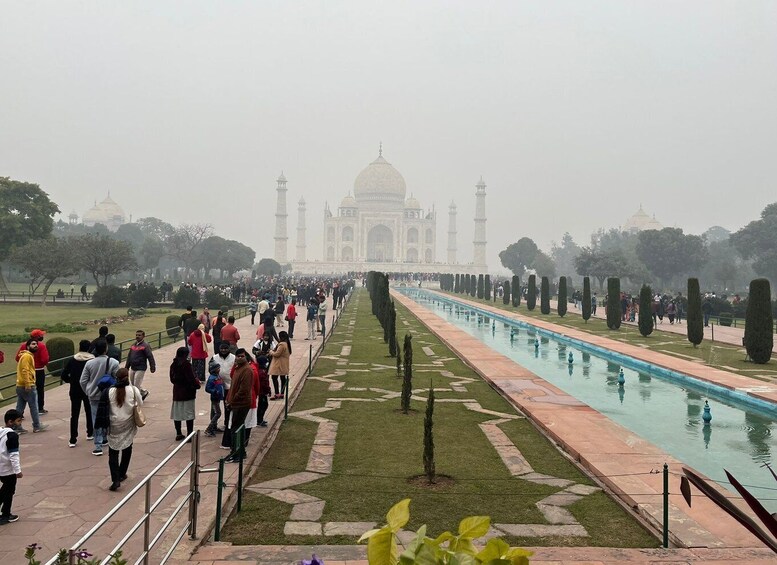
pixel 138 360
pixel 72 374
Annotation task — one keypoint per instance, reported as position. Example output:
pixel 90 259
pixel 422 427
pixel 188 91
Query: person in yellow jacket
pixel 26 393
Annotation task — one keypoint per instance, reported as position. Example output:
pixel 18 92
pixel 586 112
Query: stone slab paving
pixel 64 491
pixel 226 554
pixel 622 460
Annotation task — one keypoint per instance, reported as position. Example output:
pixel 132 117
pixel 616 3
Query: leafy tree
pixel 407 382
pixel 756 241
pixel 429 466
pixel 759 324
pixel 26 214
pixel 603 264
pixel 562 296
pixel 531 297
pixel 669 252
pixel 268 267
pixel 45 261
pixel 481 286
pixel 614 303
pixel 103 257
pixel 544 265
pixel 151 252
pixel 519 256
pixel 487 287
pixel 716 234
pixel 545 296
pixel 516 288
pixel 154 227
pixel 645 310
pixel 564 255
pixel 184 242
pixel 506 293
pixel 586 305
pixel 694 321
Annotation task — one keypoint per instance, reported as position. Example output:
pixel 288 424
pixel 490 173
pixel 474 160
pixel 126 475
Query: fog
pixel 573 112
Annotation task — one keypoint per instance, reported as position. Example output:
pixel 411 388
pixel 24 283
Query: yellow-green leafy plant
pixel 445 549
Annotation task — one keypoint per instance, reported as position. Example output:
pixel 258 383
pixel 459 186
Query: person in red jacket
pixel 198 345
pixel 291 316
pixel 41 357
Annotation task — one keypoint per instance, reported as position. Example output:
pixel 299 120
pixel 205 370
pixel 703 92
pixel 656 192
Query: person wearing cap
pixel 41 357
pixel 10 464
pixel 26 394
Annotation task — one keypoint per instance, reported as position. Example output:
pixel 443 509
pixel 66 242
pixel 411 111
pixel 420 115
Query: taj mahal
pixel 379 228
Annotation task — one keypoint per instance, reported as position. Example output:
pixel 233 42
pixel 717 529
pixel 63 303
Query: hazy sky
pixel 573 112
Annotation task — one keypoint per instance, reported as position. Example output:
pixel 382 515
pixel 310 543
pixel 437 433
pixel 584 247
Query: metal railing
pixel 158 339
pixel 191 500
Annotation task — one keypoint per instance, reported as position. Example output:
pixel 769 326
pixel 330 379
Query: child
pixel 10 465
pixel 214 386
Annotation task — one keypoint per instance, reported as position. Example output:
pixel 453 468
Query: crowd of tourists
pixel 109 390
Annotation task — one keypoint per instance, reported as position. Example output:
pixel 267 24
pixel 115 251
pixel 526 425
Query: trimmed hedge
pixel 759 328
pixel 481 286
pixel 586 299
pixel 545 296
pixel 171 324
pixel 694 320
pixel 506 293
pixel 614 303
pixel 109 297
pixel 562 296
pixel 487 288
pixel 184 297
pixel 59 348
pixel 645 310
pixel 531 297
pixel 516 289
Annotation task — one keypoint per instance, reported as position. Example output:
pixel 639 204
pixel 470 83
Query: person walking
pixel 198 346
pixel 218 324
pixel 279 309
pixel 94 371
pixel 10 464
pixel 311 318
pixel 230 334
pixel 239 399
pixel 205 319
pixel 72 374
pixel 279 365
pixel 322 316
pixel 185 385
pixel 26 394
pixel 41 357
pixel 291 316
pixel 139 359
pixel 263 362
pixel 122 398
pixel 252 307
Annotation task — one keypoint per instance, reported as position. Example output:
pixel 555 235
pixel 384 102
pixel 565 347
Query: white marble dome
pixel 380 182
pixel 107 213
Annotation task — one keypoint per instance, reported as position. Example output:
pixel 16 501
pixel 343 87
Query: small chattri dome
pixel 348 202
pixel 412 204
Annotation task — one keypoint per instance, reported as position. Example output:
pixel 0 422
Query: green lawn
pixel 378 449
pixel 14 318
pixel 717 354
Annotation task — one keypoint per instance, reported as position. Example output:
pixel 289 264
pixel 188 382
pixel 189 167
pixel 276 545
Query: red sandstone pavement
pixel 599 444
pixel 64 491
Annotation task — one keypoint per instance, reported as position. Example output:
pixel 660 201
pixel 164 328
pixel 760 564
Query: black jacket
pixel 72 373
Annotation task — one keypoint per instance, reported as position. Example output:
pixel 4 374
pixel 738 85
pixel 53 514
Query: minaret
pixel 479 242
pixel 301 229
pixel 281 238
pixel 452 233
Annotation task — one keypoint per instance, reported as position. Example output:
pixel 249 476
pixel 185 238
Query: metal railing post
pixel 310 359
pixel 194 486
pixel 219 489
pixel 286 398
pixel 666 506
pixel 241 451
pixel 147 523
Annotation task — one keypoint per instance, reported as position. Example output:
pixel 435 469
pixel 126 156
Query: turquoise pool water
pixel 663 408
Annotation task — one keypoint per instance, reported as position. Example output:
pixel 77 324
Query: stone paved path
pixel 64 491
pixel 622 459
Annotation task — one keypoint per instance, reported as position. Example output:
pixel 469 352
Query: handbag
pixel 137 413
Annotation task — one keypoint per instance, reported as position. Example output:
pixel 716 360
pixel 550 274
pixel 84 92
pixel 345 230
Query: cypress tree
pixel 694 321
pixel 646 310
pixel 531 297
pixel 407 383
pixel 456 284
pixel 399 357
pixel 393 332
pixel 516 288
pixel 487 287
pixel 481 286
pixel 562 296
pixel 506 295
pixel 462 283
pixel 545 296
pixel 586 299
pixel 759 328
pixel 429 467
pixel 613 303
